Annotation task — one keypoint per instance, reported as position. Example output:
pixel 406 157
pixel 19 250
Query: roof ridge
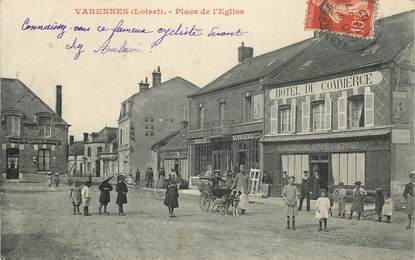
pixel 36 96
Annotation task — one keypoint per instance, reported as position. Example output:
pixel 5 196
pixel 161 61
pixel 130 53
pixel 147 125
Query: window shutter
pixel 327 113
pixel 369 109
pixel 342 112
pixel 274 118
pixel 293 115
pixel 306 116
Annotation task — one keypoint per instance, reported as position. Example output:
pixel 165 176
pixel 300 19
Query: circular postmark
pixel 337 32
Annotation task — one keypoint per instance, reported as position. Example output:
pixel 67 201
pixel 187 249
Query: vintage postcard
pixel 232 129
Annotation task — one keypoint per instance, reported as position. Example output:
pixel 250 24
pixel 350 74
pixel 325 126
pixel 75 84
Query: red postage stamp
pixel 349 17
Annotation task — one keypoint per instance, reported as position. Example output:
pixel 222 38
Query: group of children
pixel 82 196
pixel 326 200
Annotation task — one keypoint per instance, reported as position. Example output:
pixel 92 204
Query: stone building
pixel 147 116
pixel 76 160
pixel 226 116
pixel 100 152
pixel 172 152
pixel 33 137
pixel 345 108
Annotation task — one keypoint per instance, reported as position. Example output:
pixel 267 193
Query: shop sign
pixel 33 141
pixel 200 141
pixel 248 136
pixel 325 86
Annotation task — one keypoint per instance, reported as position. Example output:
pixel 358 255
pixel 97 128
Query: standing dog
pixel 235 198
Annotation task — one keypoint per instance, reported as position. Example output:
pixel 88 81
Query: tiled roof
pixel 16 96
pixel 256 67
pixel 164 140
pixel 323 58
pixel 178 142
pixel 106 135
pixel 77 148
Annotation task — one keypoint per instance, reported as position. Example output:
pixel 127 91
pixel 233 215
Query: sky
pixel 95 84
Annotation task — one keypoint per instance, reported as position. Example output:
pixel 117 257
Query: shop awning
pixel 327 135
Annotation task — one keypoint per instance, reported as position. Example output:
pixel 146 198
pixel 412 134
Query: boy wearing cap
pixel 290 196
pixel 359 195
pixel 409 196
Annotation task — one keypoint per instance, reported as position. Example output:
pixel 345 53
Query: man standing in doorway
pixel 306 191
pixel 243 184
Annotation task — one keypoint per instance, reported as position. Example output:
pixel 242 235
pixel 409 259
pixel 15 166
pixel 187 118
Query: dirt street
pixel 37 223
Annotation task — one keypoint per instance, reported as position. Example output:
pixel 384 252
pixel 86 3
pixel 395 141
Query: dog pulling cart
pixel 213 195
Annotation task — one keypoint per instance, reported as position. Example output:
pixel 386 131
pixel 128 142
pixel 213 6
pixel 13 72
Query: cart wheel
pixel 204 201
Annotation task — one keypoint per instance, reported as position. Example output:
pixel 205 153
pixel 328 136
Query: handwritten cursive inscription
pixel 111 44
pixel 178 31
pixel 49 27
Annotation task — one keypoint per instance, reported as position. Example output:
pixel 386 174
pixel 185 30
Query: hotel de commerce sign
pixel 338 84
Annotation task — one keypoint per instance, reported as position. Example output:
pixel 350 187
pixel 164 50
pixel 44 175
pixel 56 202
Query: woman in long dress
pixel 172 195
pixel 122 191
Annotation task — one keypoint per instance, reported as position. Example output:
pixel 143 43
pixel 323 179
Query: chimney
pixel 59 100
pixel 143 85
pixel 86 135
pixel 71 140
pixel 245 52
pixel 157 78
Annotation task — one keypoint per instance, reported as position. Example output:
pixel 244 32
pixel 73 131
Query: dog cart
pixel 212 194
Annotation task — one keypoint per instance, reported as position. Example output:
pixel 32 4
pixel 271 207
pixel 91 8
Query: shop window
pixel 317 115
pixel 355 111
pixel 45 126
pixel 13 126
pixel 203 158
pixel 99 149
pixel 285 119
pixel 248 109
pixel 295 165
pixel 43 160
pixel 348 168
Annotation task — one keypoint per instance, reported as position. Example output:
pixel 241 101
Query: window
pixel 355 111
pixel 221 113
pixel 248 109
pixel 200 117
pixel 45 126
pixel 317 115
pixel 13 126
pixel 348 167
pixel 285 119
pixel 295 165
pixel 88 166
pixel 89 152
pixel 146 119
pixel 43 160
pixel 120 137
pixel 203 158
pixel 99 149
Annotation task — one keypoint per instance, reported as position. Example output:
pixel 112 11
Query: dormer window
pixel 45 126
pixel 13 125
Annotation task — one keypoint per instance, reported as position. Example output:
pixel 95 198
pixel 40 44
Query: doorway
pixel 319 166
pixel 12 163
pixel 97 168
pixel 216 160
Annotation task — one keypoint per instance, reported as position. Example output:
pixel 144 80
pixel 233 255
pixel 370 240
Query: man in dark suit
pixel 409 196
pixel 306 190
